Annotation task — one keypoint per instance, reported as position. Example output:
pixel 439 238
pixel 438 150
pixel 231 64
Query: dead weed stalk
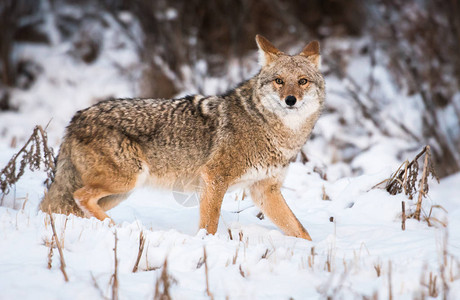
pixel 141 250
pixel 405 179
pixel 50 254
pixel 163 284
pixel 34 153
pixel 205 258
pixel 311 258
pixel 59 246
pixel 390 286
pixel 115 271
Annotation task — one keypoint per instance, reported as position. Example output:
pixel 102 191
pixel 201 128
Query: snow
pixel 356 232
pixel 365 232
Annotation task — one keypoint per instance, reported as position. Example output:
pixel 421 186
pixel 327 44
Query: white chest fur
pixel 256 174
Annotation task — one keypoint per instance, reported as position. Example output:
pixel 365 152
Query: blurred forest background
pixel 410 50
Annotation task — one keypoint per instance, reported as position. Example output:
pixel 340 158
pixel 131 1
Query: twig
pixel 205 258
pixel 303 157
pixel 422 185
pixel 241 210
pixel 230 233
pixel 58 245
pixel 166 280
pixel 235 257
pixel 325 196
pixel 311 257
pixel 403 216
pixel 50 255
pixel 390 288
pixel 115 272
pixel 242 272
pixel 96 285
pixel 378 268
pixel 443 266
pixel 141 250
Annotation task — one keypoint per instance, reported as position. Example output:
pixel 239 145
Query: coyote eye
pixel 279 81
pixel 303 81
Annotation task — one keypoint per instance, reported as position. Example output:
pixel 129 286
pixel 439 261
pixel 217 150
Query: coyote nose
pixel 290 100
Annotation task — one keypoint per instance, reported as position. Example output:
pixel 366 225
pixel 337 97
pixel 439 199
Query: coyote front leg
pixel 211 202
pixel 267 195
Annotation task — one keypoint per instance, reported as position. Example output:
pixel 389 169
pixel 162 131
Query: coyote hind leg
pixel 87 198
pixel 107 173
pixel 109 202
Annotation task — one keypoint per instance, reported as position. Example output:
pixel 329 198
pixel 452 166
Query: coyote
pixel 247 136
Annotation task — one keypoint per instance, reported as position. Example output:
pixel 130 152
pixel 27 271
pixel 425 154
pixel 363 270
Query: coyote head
pixel 290 85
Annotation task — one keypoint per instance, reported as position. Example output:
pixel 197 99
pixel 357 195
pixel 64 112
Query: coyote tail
pixel 59 198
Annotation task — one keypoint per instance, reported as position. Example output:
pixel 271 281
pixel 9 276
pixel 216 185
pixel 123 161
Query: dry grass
pixel 230 234
pixel 433 290
pixel 423 187
pixel 378 268
pixel 433 282
pixel 390 285
pixel 329 264
pixel 325 196
pixel 403 215
pixel 432 220
pixel 97 287
pixel 163 284
pixel 311 257
pixel 50 255
pixel 437 283
pixel 406 179
pixel 242 272
pixel 240 234
pixel 139 253
pixel 266 254
pixel 443 266
pixel 33 154
pixel 200 263
pixel 115 271
pixel 235 257
pixel 59 247
pixel 206 272
pixel 332 288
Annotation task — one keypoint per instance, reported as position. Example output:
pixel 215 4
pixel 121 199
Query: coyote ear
pixel 267 52
pixel 311 51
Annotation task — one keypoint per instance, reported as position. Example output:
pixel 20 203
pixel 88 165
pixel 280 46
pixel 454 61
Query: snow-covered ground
pixel 358 250
pixel 358 247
